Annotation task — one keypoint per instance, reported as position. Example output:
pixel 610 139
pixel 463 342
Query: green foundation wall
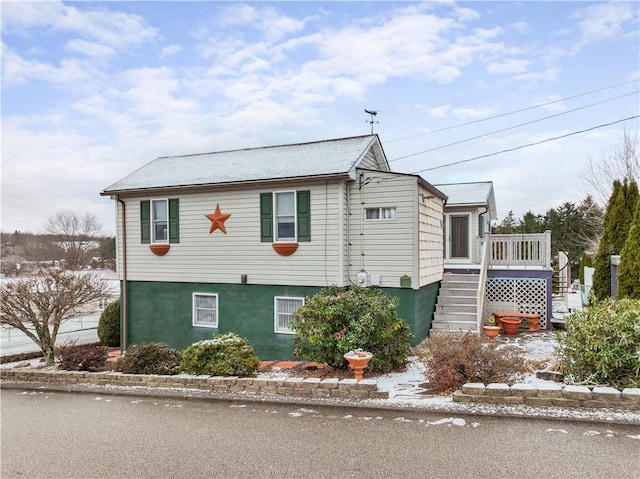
pixel 162 312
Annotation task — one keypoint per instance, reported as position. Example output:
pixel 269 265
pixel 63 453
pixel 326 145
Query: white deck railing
pixel 520 250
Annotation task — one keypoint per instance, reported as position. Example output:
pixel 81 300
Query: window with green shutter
pixel 159 221
pixel 266 217
pixel 145 222
pixel 277 218
pixel 174 224
pixel 304 215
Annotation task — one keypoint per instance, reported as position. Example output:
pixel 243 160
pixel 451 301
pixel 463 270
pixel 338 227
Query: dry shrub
pixel 83 357
pixel 456 358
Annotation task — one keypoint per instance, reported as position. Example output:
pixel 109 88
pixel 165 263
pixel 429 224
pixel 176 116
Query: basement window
pixel 284 308
pixel 205 310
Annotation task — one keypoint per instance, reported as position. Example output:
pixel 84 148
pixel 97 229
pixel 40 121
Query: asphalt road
pixel 62 435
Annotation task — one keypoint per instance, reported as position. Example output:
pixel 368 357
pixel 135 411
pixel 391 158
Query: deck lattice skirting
pixel 299 387
pixel 557 395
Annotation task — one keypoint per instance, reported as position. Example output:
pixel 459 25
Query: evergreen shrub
pixel 338 320
pixel 629 272
pixel 149 358
pixel 456 358
pixel 601 344
pixel 224 355
pixel 109 325
pixel 84 357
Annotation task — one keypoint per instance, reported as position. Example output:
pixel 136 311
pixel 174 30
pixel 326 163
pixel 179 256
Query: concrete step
pixel 440 317
pixel 460 285
pixel 460 276
pixel 456 308
pixel 450 300
pixel 456 292
pixel 453 326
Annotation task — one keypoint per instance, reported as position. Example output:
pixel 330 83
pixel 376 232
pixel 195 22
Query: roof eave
pixel 157 190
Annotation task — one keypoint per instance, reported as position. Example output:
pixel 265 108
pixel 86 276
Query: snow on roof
pixel 320 158
pixel 480 193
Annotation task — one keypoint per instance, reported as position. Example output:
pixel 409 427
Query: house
pixel 235 240
pixel 484 272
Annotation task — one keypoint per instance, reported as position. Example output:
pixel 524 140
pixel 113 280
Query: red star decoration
pixel 217 220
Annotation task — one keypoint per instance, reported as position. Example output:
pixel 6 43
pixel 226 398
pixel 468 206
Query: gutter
pixel 124 306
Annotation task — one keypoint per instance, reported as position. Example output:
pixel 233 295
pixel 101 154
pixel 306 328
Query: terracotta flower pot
pixel 510 325
pixel 491 331
pixel 358 360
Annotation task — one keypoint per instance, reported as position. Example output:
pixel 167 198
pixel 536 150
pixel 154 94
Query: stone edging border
pixel 299 387
pixel 558 395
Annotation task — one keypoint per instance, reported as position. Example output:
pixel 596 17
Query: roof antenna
pixel 371 121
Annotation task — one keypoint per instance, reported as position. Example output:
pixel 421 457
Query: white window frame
pixel 153 221
pixel 380 215
pixel 194 317
pixel 276 329
pixel 295 216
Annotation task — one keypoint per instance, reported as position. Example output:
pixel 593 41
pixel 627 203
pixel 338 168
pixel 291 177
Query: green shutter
pixel 145 221
pixel 304 215
pixel 174 224
pixel 266 217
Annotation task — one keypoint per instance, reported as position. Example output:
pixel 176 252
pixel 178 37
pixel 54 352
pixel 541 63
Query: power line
pixel 524 146
pixel 513 112
pixel 513 127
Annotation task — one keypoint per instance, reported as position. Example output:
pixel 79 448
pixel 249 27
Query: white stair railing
pixel 482 284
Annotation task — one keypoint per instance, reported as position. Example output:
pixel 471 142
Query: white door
pixel 458 237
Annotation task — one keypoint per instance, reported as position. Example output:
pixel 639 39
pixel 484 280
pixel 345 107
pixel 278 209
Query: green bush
pixel 601 344
pixel 224 355
pixel 629 272
pixel 84 357
pixel 338 320
pixel 149 358
pixel 109 325
pixel 456 358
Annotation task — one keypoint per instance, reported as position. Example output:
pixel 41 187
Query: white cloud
pixel 170 50
pixel 89 49
pixel 117 30
pixel 268 20
pixel 17 70
pixel 508 65
pixel 606 20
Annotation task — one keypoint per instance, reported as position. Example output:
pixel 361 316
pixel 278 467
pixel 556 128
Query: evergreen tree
pixel 629 272
pixel 617 221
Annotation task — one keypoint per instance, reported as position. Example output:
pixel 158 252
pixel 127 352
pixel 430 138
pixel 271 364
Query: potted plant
pixel 490 329
pixel 511 325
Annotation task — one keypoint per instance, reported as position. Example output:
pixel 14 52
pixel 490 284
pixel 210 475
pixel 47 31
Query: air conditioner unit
pixel 363 279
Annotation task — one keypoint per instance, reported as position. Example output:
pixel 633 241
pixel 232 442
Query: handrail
pixel 482 283
pixel 521 249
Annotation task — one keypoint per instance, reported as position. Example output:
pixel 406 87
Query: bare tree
pixel 622 161
pixel 76 236
pixel 38 305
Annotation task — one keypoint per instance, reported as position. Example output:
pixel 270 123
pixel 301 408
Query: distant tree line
pixel 70 242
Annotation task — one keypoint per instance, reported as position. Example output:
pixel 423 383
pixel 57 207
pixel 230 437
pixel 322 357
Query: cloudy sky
pixel 93 90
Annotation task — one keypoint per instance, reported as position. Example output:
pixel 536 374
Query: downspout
pixel 124 306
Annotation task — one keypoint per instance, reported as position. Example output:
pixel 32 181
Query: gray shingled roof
pixel 321 158
pixel 462 194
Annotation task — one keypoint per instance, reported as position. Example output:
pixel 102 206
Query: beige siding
pixel 219 257
pixel 383 248
pixel 369 161
pixel 431 239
